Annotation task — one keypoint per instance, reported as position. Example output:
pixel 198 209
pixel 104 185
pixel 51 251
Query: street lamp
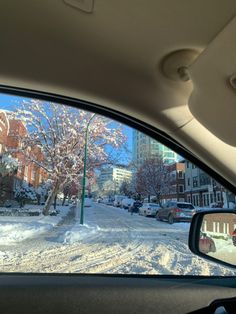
pixel 84 173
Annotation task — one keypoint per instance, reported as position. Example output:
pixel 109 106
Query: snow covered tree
pixel 126 188
pixel 8 167
pixel 8 164
pixel 108 188
pixel 59 132
pixel 42 191
pixel 153 178
pixel 69 190
pixel 24 193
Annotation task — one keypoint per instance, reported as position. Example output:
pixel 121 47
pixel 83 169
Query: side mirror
pixel 213 236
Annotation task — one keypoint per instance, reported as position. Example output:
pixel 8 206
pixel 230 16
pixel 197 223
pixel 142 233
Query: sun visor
pixel 213 100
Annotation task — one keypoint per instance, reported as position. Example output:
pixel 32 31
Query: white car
pixel 127 202
pixel 149 209
pixel 118 199
pixel 87 202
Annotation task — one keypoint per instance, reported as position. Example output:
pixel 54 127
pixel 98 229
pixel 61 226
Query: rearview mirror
pixel 213 236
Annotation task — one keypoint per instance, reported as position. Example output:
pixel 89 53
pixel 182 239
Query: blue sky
pixel 8 101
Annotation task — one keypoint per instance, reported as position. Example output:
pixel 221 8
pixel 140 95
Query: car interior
pixel 163 67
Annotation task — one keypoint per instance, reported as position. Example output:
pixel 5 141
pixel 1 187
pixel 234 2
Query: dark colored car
pixel 135 207
pixel 176 211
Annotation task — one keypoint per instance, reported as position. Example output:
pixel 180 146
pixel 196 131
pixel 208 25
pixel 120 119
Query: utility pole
pixel 84 172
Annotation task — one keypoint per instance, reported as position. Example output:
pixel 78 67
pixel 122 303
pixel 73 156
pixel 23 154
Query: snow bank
pixel 16 229
pixel 79 232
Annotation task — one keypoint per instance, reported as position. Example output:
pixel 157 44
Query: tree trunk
pixel 50 199
pixel 64 198
pixel 55 202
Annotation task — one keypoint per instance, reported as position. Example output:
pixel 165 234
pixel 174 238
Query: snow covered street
pixel 111 241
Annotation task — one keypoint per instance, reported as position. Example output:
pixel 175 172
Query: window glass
pixel 72 186
pixel 182 205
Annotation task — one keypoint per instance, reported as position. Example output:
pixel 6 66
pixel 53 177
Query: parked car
pixel 135 207
pixel 87 202
pixel 109 202
pixel 126 203
pixel 118 199
pixel 149 209
pixel 176 211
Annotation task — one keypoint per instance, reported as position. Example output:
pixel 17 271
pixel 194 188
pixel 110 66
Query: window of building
pixel 204 226
pixel 180 174
pixel 196 200
pixel 218 196
pixel 195 182
pixel 226 228
pixel 33 174
pixel 216 227
pixel 205 197
pixel 26 173
pixel 181 188
pixel 211 198
pixel 188 182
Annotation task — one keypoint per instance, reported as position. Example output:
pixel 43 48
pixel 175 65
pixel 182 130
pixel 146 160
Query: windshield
pixel 186 206
pixel 73 183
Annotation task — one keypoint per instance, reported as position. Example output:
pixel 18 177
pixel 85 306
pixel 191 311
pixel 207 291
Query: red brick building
pixel 11 133
pixel 4 129
pixel 177 182
pixel 223 223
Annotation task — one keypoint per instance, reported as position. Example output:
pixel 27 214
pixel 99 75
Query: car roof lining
pixel 113 57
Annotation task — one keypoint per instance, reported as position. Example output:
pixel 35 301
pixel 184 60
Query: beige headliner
pixel 113 56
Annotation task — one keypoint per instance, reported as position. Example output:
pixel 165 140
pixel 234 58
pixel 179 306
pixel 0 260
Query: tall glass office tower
pixel 145 147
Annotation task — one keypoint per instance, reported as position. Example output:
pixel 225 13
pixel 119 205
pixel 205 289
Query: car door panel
pixel 109 294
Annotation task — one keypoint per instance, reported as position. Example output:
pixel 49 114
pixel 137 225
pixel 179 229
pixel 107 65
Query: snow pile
pixel 79 232
pixel 10 233
pixel 16 229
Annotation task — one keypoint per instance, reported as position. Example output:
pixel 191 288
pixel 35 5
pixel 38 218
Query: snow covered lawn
pixel 14 229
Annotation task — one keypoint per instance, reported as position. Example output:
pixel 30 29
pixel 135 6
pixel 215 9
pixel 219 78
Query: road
pixel 112 241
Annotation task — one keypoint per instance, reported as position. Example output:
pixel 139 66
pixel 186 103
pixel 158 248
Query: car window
pixel 182 205
pixel 64 173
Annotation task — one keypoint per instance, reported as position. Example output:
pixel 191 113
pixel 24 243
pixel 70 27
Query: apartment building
pixel 176 183
pixel 11 132
pixel 200 189
pixel 223 224
pixel 115 176
pixel 145 147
